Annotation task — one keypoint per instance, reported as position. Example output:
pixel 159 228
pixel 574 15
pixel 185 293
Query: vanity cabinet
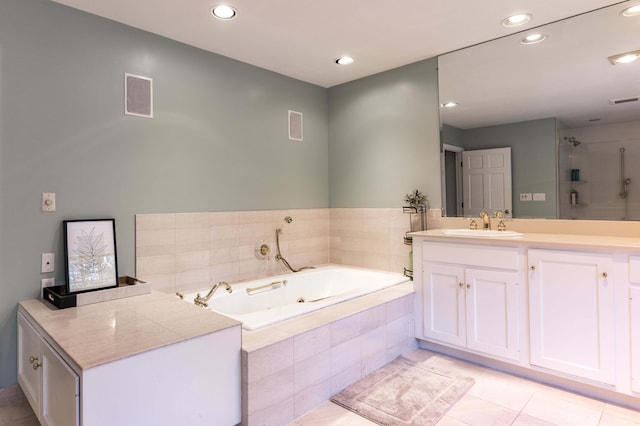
pixel 571 309
pixel 50 385
pixel 145 360
pixel 474 304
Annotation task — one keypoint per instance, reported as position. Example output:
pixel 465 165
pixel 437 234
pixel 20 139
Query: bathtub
pixel 270 300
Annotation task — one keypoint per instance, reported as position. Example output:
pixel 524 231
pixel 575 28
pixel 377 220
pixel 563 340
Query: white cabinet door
pixel 444 312
pixel 51 387
pixel 492 312
pixel 60 390
pixel 28 358
pixel 472 308
pixel 635 339
pixel 572 313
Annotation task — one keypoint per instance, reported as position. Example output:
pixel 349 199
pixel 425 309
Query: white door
pixel 444 314
pixel 486 176
pixel 492 312
pixel 572 313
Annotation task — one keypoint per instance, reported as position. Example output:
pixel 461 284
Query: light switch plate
pixel 48 282
pixel 48 202
pixel 539 196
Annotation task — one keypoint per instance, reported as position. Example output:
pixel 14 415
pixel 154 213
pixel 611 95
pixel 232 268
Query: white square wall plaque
pixel 138 95
pixel 295 125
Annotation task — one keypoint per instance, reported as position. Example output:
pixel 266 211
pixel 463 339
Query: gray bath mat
pixel 404 392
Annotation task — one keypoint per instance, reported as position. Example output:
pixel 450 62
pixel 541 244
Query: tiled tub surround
pixel 190 251
pixel 292 367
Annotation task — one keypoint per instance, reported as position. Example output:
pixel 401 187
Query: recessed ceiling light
pixel 344 60
pixel 625 58
pixel 533 38
pixel 631 11
pixel 223 11
pixel 517 20
pixel 449 104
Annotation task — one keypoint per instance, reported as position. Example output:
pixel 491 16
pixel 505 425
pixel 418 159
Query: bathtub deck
pixel 292 367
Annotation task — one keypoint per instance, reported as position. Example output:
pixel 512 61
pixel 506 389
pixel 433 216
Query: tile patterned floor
pixel 498 399
pixel 495 399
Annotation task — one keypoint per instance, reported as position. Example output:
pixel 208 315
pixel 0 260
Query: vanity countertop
pixel 96 334
pixel 574 241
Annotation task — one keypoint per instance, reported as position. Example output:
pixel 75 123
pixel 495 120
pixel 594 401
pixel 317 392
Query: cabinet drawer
pixel 471 254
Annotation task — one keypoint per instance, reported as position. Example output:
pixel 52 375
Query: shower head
pixel 572 140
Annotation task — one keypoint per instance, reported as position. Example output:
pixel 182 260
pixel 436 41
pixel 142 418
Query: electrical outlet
pixel 47 263
pixel 48 282
pixel 525 197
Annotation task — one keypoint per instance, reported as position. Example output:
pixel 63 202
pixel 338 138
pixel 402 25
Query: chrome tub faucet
pixel 203 301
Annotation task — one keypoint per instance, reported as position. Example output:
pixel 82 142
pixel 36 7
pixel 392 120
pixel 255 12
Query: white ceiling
pixel 567 76
pixel 301 38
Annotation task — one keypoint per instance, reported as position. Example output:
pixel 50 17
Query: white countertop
pixel 96 334
pixel 630 244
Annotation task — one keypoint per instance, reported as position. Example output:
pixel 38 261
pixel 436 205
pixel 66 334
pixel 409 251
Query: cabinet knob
pixel 36 365
pixel 604 275
pixel 533 268
pixel 32 359
pixel 460 285
pixel 468 285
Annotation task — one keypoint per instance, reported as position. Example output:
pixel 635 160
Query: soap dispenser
pixel 573 197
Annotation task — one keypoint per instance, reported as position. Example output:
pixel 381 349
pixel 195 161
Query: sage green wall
pixel 218 140
pixel 384 138
pixel 533 161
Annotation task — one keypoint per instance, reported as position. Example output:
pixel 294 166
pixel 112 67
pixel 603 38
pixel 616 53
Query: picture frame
pixel 90 256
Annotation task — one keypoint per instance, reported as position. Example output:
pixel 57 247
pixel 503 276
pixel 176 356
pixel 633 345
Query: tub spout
pixel 203 301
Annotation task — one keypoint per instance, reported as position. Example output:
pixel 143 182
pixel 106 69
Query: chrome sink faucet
pixel 486 221
pixel 500 215
pixel 202 301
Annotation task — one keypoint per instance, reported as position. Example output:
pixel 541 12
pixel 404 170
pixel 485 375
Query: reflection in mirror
pixel 569 114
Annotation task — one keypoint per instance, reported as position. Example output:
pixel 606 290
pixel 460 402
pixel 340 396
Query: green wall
pixel 384 138
pixel 217 142
pixel 533 160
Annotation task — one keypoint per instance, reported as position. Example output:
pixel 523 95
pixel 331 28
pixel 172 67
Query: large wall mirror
pixel 569 114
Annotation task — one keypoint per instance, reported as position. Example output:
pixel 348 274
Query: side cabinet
pixel 472 305
pixel 571 304
pixel 50 385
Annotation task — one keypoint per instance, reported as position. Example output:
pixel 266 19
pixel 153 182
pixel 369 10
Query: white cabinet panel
pixel 635 339
pixel 60 394
pixel 572 313
pixel 492 312
pixel 49 384
pixel 444 318
pixel 472 308
pixel 28 355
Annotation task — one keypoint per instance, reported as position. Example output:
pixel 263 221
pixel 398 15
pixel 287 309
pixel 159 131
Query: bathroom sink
pixel 481 233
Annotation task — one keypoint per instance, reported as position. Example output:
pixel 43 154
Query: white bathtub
pixel 267 301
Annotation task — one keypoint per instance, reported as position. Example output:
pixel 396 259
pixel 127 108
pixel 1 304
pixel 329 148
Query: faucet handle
pixel 498 214
pixel 502 226
pixel 473 225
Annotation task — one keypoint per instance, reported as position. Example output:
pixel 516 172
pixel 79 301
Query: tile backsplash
pixel 191 251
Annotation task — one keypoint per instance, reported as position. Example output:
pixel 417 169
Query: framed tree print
pixel 90 254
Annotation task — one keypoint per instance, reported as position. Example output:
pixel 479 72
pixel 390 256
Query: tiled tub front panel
pixel 293 367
